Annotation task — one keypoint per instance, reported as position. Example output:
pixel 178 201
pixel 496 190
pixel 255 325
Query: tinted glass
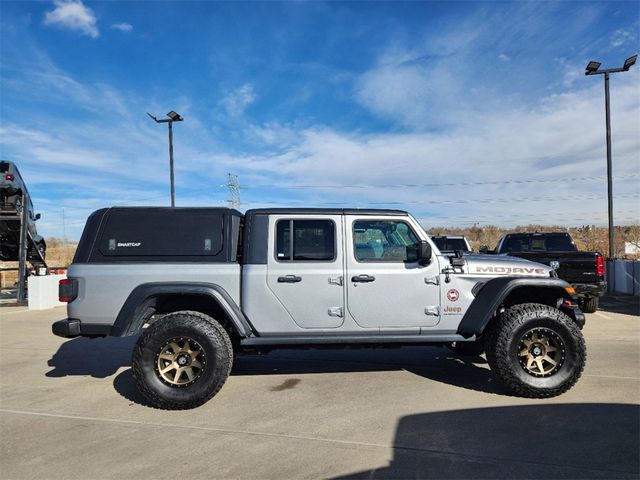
pixel 384 241
pixel 4 167
pixel 450 244
pixel 305 240
pixel 538 243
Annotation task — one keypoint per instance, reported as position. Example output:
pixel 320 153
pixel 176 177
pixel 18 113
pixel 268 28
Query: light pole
pixel 593 68
pixel 173 117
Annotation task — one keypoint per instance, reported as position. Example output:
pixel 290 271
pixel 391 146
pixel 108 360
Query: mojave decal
pixel 508 270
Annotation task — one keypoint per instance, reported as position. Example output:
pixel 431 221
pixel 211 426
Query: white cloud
pixel 73 15
pixel 620 37
pixel 504 57
pixel 555 140
pixel 123 27
pixel 236 102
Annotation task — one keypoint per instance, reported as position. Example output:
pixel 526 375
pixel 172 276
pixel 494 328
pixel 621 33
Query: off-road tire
pixel 589 304
pixel 467 349
pixel 503 338
pixel 216 348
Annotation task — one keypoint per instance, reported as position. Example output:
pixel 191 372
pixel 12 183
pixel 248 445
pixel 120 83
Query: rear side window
pixel 538 243
pixel 162 233
pixel 305 240
pixel 4 167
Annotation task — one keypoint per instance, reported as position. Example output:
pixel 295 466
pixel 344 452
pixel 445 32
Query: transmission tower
pixel 234 191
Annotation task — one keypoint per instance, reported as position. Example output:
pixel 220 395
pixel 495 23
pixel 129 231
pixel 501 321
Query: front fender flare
pixel 138 306
pixel 492 295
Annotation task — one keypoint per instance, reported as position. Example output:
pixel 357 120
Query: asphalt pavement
pixel 70 409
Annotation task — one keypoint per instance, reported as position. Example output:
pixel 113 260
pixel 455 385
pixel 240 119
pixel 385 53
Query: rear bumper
pixel 590 289
pixel 72 327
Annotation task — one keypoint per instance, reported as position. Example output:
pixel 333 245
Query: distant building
pixel 631 248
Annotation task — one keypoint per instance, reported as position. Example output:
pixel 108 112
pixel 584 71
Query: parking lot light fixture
pixel 172 117
pixel 593 68
pixel 629 62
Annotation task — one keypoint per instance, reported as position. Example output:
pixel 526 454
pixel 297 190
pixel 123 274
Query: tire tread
pixel 502 328
pixel 189 320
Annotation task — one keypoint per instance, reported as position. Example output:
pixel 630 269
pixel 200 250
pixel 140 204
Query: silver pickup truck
pixel 200 285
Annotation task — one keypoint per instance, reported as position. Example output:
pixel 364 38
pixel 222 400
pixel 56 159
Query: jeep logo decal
pixel 507 270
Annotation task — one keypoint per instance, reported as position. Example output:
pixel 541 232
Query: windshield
pixel 446 244
pixel 538 243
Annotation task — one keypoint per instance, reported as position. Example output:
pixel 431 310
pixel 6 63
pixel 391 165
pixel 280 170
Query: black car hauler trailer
pixel 13 218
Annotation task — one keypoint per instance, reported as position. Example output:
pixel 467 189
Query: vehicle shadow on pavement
pixel 99 357
pixel 125 385
pixel 533 441
pixel 103 357
pixel 434 363
pixel 625 304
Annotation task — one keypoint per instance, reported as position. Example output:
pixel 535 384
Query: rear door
pixel 386 286
pixel 305 268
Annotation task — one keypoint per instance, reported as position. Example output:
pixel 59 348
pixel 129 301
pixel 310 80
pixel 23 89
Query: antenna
pixel 234 191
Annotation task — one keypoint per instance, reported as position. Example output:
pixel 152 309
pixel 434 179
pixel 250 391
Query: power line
pixel 455 202
pixel 431 185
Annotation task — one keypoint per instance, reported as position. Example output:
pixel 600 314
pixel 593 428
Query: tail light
pixel 599 265
pixel 67 290
pixel 9 177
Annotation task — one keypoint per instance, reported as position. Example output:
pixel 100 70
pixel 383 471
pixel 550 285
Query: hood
pixel 494 265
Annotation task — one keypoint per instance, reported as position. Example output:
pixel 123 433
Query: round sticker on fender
pixel 453 295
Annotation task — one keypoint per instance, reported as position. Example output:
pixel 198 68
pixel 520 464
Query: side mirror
pixel 424 257
pixel 37 217
pixel 484 249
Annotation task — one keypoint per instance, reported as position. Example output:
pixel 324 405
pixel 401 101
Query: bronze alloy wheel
pixel 180 362
pixel 541 352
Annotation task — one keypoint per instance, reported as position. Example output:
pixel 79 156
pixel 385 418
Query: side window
pixel 384 241
pixel 305 240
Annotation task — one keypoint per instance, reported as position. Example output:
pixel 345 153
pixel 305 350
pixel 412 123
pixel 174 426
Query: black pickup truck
pixel 584 270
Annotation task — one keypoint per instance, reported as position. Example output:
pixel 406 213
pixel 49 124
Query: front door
pixel 305 269
pixel 386 285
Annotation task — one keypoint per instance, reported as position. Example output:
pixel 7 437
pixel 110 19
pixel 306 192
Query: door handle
pixel 289 279
pixel 363 278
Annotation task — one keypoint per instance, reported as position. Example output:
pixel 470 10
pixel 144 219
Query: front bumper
pixel 72 327
pixel 571 308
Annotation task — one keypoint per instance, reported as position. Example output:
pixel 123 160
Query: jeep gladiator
pixel 201 285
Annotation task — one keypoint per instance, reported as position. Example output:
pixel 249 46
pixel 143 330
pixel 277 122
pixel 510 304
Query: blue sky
pixel 459 112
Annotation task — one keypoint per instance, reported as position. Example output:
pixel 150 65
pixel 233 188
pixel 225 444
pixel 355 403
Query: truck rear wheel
pixel 589 304
pixel 182 360
pixel 536 350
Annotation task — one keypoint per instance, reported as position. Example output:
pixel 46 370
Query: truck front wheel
pixel 589 304
pixel 536 350
pixel 182 360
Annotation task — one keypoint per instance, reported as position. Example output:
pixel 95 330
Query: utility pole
pixel 234 191
pixel 593 68
pixel 173 117
pixel 64 228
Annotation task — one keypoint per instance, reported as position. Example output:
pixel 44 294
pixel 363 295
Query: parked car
pixel 452 243
pixel 584 270
pixel 203 285
pixel 13 192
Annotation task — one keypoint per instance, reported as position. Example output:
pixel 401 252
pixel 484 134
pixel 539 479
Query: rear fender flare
pixel 139 306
